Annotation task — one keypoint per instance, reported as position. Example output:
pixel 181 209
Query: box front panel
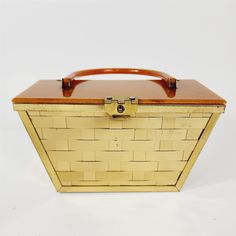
pixel 87 147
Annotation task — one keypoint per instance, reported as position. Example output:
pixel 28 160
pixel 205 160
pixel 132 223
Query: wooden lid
pixel 165 91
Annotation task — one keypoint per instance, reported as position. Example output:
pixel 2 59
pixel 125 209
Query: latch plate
pixel 121 106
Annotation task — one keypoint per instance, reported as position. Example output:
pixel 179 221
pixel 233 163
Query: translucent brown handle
pixel 170 81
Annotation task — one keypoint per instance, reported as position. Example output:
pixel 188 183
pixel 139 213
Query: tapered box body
pixel 88 144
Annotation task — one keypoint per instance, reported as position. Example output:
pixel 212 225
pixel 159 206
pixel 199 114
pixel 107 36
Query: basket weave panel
pixel 90 148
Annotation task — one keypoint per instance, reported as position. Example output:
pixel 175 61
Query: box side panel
pixel 194 155
pixel 35 137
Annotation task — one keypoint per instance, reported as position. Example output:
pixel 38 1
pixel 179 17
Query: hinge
pixel 121 106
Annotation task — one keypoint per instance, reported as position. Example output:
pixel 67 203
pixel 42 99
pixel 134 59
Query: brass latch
pixel 120 106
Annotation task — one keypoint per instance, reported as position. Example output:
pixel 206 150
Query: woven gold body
pixel 84 149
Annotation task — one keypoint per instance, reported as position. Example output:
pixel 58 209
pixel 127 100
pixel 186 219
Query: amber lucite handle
pixel 167 82
pixel 69 81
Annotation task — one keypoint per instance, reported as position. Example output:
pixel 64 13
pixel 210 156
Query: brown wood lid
pixel 94 91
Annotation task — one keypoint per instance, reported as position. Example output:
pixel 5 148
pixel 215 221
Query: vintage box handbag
pixel 118 135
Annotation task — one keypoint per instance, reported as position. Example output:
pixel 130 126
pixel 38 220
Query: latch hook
pixel 121 106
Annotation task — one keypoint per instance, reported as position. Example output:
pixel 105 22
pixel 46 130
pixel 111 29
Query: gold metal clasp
pixel 120 106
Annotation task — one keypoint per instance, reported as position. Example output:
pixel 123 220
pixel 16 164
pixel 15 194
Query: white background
pixel 188 39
